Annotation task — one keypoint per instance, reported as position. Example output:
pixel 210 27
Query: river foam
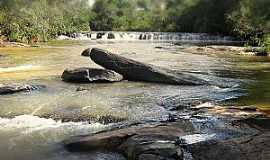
pixel 19 68
pixel 27 124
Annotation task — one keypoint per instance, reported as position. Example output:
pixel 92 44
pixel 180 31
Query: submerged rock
pixel 111 36
pixel 14 88
pixel 87 75
pixel 137 71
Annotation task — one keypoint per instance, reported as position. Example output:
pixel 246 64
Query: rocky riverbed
pixel 205 132
pixel 202 131
pixel 132 119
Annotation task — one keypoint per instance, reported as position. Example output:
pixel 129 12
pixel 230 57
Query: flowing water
pixel 34 124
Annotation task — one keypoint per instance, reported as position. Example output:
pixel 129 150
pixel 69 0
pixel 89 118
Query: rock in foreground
pixel 148 143
pixel 88 75
pixel 256 147
pixel 137 71
pixel 10 89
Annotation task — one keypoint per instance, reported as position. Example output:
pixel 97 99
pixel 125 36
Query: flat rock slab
pixel 91 75
pixel 15 88
pixel 137 71
pixel 256 147
pixel 134 142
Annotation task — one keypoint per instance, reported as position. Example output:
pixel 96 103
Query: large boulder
pixel 14 88
pixel 88 75
pixel 137 71
pixel 134 142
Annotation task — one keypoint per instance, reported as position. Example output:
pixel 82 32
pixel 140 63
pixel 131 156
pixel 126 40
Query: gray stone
pixel 134 142
pixel 90 75
pixel 137 71
pixel 254 147
pixel 156 145
pixel 14 88
pixel 151 157
pixel 86 53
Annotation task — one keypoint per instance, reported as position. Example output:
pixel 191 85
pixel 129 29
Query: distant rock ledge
pixel 13 44
pixel 214 49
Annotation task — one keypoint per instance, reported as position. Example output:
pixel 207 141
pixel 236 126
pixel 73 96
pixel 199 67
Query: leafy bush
pixel 265 43
pixel 40 20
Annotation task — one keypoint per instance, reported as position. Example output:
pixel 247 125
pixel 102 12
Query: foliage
pixel 39 20
pixel 265 43
pixel 163 15
pixel 251 21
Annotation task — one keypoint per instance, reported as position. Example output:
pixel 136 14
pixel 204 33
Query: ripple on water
pixel 32 137
pixel 27 124
pixel 19 68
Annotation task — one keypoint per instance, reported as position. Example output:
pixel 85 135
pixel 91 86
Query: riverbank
pixel 224 49
pixel 197 49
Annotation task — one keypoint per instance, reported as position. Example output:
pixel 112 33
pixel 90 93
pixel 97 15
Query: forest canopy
pixel 40 20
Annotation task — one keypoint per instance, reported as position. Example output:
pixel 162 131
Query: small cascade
pixel 149 36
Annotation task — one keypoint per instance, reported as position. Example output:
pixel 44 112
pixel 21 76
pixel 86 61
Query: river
pixel 33 125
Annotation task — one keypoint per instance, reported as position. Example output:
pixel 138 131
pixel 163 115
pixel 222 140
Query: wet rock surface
pixel 86 52
pixel 137 71
pixel 15 88
pixel 88 75
pixel 81 117
pixel 214 49
pixel 254 147
pixel 135 142
pixel 244 135
pixel 260 123
pixel 206 132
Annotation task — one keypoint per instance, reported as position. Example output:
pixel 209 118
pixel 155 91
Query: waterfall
pixel 149 36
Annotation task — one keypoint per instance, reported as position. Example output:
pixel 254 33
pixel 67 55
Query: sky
pixel 91 2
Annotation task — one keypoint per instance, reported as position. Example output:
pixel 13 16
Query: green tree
pixel 40 20
pixel 251 19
